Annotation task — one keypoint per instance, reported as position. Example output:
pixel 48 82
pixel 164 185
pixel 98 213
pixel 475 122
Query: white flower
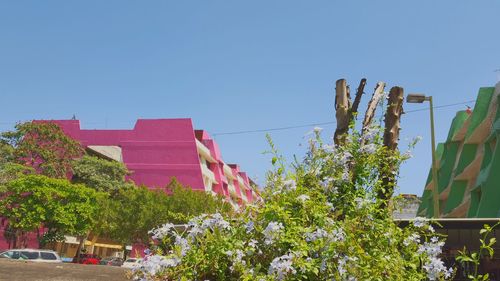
pixel 200 224
pixel 318 234
pixel 370 133
pixel 413 238
pixel 329 147
pixel 317 129
pixel 419 222
pixel 183 244
pixel 337 235
pixel 272 231
pixel 431 229
pixel 236 257
pixel 434 266
pixel 407 154
pixel 155 263
pixel 281 266
pixel 162 231
pixel 252 243
pixel 369 148
pixel 303 197
pixel 249 226
pixel 341 265
pixel 330 205
pixel 290 184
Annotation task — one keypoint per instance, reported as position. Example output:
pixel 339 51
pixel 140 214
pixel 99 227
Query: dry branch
pixel 378 93
pixel 357 98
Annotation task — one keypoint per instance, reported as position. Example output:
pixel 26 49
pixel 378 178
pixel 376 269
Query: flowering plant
pixel 322 219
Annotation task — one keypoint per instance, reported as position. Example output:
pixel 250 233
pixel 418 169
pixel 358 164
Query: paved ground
pixel 30 271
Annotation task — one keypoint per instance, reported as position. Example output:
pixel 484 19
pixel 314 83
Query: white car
pixel 34 255
pixel 131 263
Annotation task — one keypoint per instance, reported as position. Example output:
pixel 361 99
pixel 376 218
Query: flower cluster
pixel 272 232
pixel 320 221
pixel 282 266
pixel 199 225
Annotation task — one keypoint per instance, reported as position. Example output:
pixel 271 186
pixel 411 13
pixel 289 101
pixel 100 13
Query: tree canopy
pixel 31 202
pixel 43 146
pixel 100 174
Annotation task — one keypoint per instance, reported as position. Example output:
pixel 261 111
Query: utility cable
pixel 326 123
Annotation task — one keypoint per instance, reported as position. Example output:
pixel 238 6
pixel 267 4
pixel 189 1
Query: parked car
pixel 88 259
pixel 34 255
pixel 131 263
pixel 67 259
pixel 114 261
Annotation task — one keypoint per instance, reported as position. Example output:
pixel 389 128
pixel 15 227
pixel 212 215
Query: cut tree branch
pixel 378 93
pixel 342 109
pixel 357 98
pixel 391 140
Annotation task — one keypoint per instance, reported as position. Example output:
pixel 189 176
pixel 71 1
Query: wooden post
pixel 342 109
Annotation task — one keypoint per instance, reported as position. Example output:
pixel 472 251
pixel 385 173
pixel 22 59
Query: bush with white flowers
pixel 321 220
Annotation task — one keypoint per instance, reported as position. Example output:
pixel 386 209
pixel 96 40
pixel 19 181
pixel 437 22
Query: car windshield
pixel 7 254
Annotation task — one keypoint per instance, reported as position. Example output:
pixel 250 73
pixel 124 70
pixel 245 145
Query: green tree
pixel 6 152
pixel 10 171
pixel 134 211
pixel 34 202
pixel 43 146
pixel 100 174
pixel 139 210
pixel 185 203
pixel 107 177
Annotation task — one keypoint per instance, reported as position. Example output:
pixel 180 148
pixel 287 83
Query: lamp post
pixel 420 98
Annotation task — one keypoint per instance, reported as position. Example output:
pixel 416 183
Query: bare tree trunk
pixel 342 109
pixel 378 94
pixel 391 139
pixel 357 99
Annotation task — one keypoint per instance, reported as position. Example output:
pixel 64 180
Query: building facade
pixel 469 163
pixel 158 150
pixel 155 151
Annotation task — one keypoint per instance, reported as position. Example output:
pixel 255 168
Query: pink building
pixel 156 150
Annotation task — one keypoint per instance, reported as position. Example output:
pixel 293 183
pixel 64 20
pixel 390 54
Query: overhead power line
pixel 302 125
pixel 326 123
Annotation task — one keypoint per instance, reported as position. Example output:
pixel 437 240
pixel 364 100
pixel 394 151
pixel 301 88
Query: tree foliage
pixel 43 146
pixel 34 202
pixel 100 174
pixel 140 209
pixel 185 203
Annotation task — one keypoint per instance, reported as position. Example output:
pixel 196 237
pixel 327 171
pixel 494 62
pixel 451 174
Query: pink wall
pixel 155 150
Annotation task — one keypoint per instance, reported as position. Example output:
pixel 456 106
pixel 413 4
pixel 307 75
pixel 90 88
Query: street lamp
pixel 420 98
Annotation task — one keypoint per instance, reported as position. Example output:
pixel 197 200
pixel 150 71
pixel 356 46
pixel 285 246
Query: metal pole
pixel 435 185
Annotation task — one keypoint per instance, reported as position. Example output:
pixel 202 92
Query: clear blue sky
pixel 242 65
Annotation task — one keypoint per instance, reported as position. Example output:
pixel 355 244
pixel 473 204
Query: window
pixel 29 255
pixel 48 256
pixel 10 255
